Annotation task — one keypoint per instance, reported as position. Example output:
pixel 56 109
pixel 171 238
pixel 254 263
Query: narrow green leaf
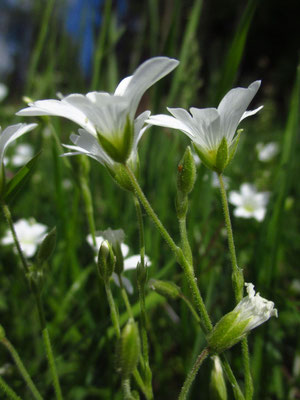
pixel 21 177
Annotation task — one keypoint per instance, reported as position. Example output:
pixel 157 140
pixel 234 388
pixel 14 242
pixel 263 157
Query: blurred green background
pixel 77 46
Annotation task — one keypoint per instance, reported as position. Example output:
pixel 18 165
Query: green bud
pixel 47 247
pixel 2 332
pixel 128 349
pixel 165 288
pixel 222 156
pixel 186 172
pixel 217 382
pixel 106 261
pixel 181 204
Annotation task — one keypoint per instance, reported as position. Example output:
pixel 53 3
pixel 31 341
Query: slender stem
pixel 113 310
pixel 23 371
pixel 37 295
pixel 192 374
pixel 186 248
pixel 248 377
pixel 237 281
pixel 238 395
pixel 52 365
pixel 9 220
pixel 8 390
pixel 187 268
pixel 126 390
pixel 125 298
pixel 190 306
pixel 141 289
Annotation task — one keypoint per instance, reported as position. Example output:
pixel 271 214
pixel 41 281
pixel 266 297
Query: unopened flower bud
pixel 252 311
pixel 165 288
pixel 47 247
pixel 186 173
pixel 217 382
pixel 106 261
pixel 142 274
pixel 128 349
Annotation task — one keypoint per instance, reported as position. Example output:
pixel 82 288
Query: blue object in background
pixel 83 20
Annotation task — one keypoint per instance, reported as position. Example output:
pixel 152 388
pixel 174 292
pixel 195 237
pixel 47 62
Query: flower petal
pixel 233 106
pixel 60 109
pixel 251 112
pixel 10 134
pixel 144 77
pixel 169 122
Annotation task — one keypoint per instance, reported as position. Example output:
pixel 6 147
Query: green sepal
pixel 19 180
pixel 120 176
pixel 227 332
pixel 222 156
pixel 165 288
pixel 208 162
pixel 120 150
pixel 47 247
pixel 128 349
pixel 234 145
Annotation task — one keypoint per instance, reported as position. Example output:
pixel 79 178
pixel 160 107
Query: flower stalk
pixel 192 374
pixel 8 390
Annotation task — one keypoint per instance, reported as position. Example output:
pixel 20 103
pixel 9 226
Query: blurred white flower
pixel 249 203
pixel 130 262
pixel 266 152
pixel 3 91
pixel 10 134
pixel 207 127
pixel 29 233
pixel 109 129
pixel 22 154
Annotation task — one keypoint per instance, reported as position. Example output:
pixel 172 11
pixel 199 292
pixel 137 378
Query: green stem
pixel 125 298
pixel 52 365
pixel 113 310
pixel 21 368
pixel 37 295
pixel 237 281
pixel 8 390
pixel 141 289
pixel 126 390
pixel 88 202
pixel 187 268
pixel 190 306
pixel 186 248
pixel 238 395
pixel 192 374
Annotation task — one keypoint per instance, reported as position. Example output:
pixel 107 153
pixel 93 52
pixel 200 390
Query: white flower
pixel 3 91
pixel 22 154
pixel 266 152
pixel 29 233
pixel 252 311
pixel 249 203
pixel 255 309
pixel 130 262
pixel 208 127
pixel 108 117
pixel 10 134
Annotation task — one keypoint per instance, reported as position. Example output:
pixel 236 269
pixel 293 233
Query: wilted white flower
pixel 266 152
pixel 106 118
pixel 252 311
pixel 3 91
pixel 208 128
pixel 29 233
pixel 130 262
pixel 249 203
pixel 12 133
